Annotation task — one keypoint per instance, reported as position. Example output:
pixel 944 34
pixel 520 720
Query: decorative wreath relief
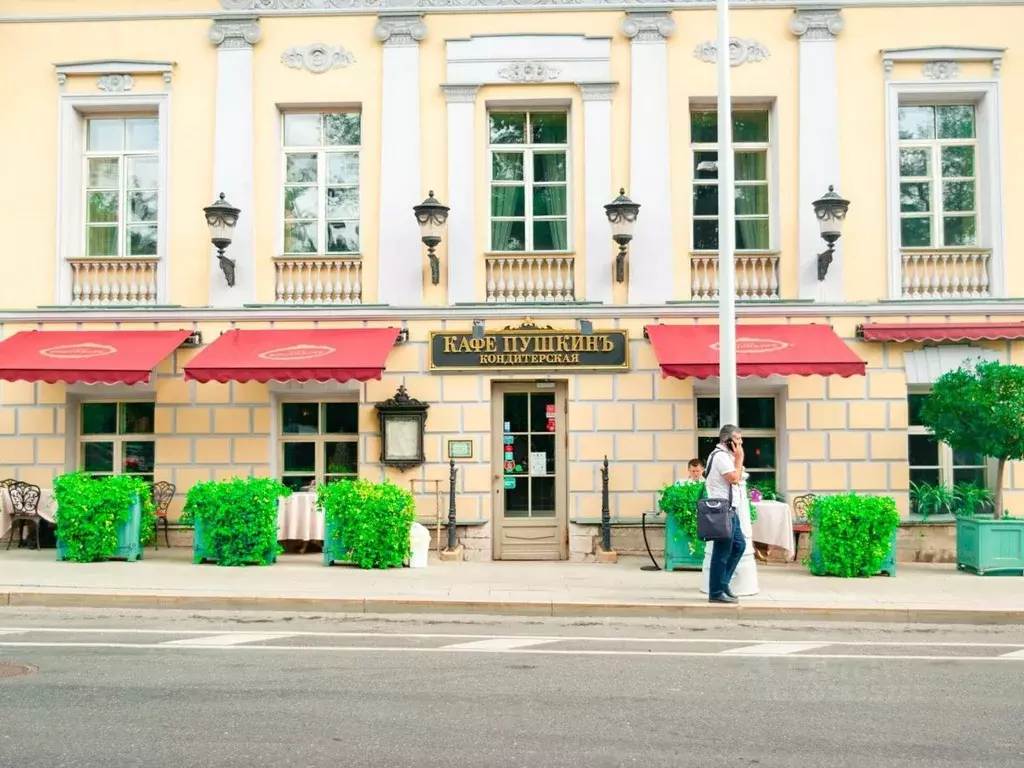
pixel 529 72
pixel 317 58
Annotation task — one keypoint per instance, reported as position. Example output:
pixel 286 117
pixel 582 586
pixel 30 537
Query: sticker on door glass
pixel 551 425
pixel 508 426
pixel 508 439
pixel 538 463
pixel 509 466
pixel 509 455
pixel 510 483
pixel 549 410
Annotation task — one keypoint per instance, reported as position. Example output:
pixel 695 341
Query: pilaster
pixel 462 255
pixel 598 189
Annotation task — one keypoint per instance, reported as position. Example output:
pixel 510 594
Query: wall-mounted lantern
pixel 221 218
pixel 431 216
pixel 830 210
pixel 622 213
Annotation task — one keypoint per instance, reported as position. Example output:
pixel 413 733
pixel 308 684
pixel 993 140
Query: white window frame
pixel 322 252
pixel 945 465
pixel 776 433
pixel 117 439
pixel 744 104
pixel 528 151
pixel 985 95
pixel 319 438
pixel 73 111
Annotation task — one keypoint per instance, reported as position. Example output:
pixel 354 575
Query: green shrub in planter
pixel 102 518
pixel 367 523
pixel 852 535
pixel 682 547
pixel 235 520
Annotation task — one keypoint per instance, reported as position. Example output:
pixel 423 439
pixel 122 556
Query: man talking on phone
pixel 724 474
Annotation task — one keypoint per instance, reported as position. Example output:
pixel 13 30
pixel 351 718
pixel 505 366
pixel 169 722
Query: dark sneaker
pixel 723 598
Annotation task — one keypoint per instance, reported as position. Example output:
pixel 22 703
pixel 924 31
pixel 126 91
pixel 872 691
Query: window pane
pixel 756 413
pixel 968 459
pixel 915 197
pixel 507 166
pixel 759 452
pixel 544 443
pixel 302 130
pixel 341 418
pixel 300 202
pixel 299 483
pixel 142 134
pixel 752 235
pixel 300 238
pixel 969 475
pixel 750 126
pixel 705 165
pixel 916 232
pixel 98 457
pixel 517 499
pixel 915 162
pixel 958 161
pixel 549 166
pixel 542 405
pixel 142 240
pixel 914 404
pixel 341 458
pixel 705 200
pixel 516 411
pixel 105 136
pixel 508 127
pixel 704 127
pixel 508 201
pixel 138 457
pixel 549 128
pixel 958 196
pixel 341 129
pixel 300 169
pixel 917 122
pixel 705 445
pixel 705 235
pixel 343 203
pixel 142 206
pixel 143 172
pixel 102 241
pixel 550 236
pixel 751 200
pixel 959 230
pixel 549 201
pixel 343 237
pixel 956 122
pixel 924 476
pixel 300 457
pixel 137 418
pixel 751 166
pixel 508 235
pixel 102 207
pixel 343 168
pixel 104 172
pixel 299 418
pixel 99 418
pixel 923 451
pixel 542 497
pixel 708 413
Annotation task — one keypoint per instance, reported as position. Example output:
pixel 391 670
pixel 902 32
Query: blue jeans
pixel 725 556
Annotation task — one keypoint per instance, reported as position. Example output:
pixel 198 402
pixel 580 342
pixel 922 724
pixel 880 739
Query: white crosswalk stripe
pixel 773 649
pixel 497 644
pixel 225 641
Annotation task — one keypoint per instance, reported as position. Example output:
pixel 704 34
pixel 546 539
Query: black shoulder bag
pixel 714 516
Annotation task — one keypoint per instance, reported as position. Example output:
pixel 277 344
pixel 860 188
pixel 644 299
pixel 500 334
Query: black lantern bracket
pixel 402 408
pixel 825 257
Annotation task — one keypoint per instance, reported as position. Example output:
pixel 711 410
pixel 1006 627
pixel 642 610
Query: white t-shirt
pixel 721 464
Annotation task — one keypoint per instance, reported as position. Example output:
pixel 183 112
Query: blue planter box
pixel 334 548
pixel 201 555
pixel 888 566
pixel 989 546
pixel 677 548
pixel 128 534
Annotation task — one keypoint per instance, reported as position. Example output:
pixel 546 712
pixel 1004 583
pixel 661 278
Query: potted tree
pixel 235 520
pixel 979 410
pixel 104 518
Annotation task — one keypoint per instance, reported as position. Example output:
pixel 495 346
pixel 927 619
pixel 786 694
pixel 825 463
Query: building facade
pixel 325 122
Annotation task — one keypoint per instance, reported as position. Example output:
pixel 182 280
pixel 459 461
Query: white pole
pixel 726 228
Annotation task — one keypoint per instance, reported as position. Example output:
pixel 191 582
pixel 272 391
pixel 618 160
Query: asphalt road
pixel 175 690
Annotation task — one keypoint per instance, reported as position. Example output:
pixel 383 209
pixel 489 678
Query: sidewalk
pixel 299 583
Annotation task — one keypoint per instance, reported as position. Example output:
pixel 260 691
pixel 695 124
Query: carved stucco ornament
pixel 115 83
pixel 741 51
pixel 529 72
pixel 317 57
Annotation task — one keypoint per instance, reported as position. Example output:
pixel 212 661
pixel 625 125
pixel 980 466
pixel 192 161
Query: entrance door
pixel 529 454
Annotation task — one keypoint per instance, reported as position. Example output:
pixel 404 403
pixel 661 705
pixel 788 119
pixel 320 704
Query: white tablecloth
pixel 298 519
pixel 47 509
pixel 774 525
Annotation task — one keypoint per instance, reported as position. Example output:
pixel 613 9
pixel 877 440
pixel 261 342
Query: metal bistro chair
pixel 162 493
pixel 25 509
pixel 801 521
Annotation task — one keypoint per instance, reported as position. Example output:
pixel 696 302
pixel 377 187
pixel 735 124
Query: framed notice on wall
pixel 460 449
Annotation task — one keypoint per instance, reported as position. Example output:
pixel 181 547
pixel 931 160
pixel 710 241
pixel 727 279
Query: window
pixel 321 183
pixel 117 439
pixel 319 443
pixel 122 186
pixel 760 439
pixel 938 162
pixel 935 463
pixel 529 181
pixel 751 143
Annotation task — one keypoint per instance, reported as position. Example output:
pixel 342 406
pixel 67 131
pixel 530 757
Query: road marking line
pixel 773 649
pixel 227 641
pixel 1014 655
pixel 497 644
pixel 11 631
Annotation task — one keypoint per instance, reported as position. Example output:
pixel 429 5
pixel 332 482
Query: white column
pixel 233 158
pixel 598 188
pixel 401 262
pixel 651 258
pixel 462 255
pixel 818 161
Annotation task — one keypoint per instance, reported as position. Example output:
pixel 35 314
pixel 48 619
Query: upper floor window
pixel 321 182
pixel 751 136
pixel 529 181
pixel 122 186
pixel 117 438
pixel 938 166
pixel 319 443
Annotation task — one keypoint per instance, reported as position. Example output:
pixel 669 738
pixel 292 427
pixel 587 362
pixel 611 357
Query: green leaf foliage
pixel 680 501
pixel 90 510
pixel 852 534
pixel 371 520
pixel 238 518
pixel 767 489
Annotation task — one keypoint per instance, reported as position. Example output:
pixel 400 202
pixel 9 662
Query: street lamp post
pixel 727 398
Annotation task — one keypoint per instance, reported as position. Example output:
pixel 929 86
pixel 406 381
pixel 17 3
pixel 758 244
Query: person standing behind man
pixel 725 472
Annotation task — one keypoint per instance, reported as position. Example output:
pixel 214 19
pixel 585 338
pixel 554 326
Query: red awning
pixel 761 350
pixel 319 354
pixel 941 331
pixel 87 357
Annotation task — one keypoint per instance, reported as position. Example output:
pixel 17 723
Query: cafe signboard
pixel 529 347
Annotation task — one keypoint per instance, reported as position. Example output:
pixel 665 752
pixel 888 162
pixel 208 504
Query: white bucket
pixel 419 541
